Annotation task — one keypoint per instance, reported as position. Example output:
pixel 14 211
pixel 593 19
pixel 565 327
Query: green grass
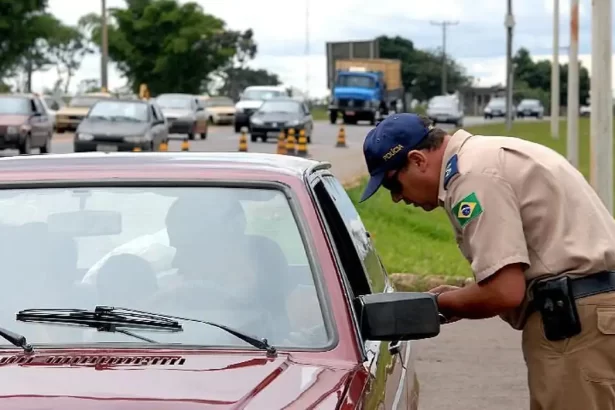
pixel 411 240
pixel 320 114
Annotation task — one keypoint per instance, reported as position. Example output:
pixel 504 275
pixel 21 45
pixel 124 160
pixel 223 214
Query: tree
pixel 422 69
pixel 237 79
pixel 67 49
pixel 536 75
pixel 168 46
pixel 18 30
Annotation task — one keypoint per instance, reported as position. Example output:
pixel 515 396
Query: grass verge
pixel 411 240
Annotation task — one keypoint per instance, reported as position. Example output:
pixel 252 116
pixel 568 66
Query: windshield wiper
pixel 103 319
pixel 16 340
pixel 117 319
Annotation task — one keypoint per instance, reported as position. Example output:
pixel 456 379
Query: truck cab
pixel 357 95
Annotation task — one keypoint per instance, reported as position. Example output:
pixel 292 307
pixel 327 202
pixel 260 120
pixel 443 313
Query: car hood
pixel 276 116
pixel 112 128
pixel 176 113
pixel 354 93
pixel 150 380
pixel 13 120
pixel 73 111
pixel 251 104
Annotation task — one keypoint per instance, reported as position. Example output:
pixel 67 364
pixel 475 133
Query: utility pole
pixel 444 25
pixel 573 87
pixel 555 84
pixel 509 23
pixel 601 118
pixel 307 49
pixel 105 49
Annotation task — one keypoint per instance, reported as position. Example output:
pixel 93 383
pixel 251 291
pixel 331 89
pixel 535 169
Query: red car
pixel 196 281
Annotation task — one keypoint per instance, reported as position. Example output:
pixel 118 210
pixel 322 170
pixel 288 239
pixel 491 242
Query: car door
pixel 201 117
pixel 41 127
pixel 391 378
pixel 164 132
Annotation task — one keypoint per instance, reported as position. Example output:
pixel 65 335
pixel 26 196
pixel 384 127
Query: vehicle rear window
pixel 235 256
pixel 174 102
pixel 15 105
pixel 120 110
pixel 84 101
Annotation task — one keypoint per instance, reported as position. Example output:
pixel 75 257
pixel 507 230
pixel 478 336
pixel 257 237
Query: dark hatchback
pixel 281 114
pixel 122 125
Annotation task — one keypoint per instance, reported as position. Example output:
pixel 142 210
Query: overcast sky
pixel 478 42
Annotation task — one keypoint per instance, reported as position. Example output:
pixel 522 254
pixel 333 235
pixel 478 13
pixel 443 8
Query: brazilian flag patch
pixel 467 209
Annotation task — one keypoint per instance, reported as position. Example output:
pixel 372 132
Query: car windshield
pixel 84 101
pixel 15 105
pixel 121 110
pixel 360 81
pixel 529 103
pixel 234 256
pixel 290 107
pixel 219 102
pixel 262 94
pixel 497 103
pixel 174 102
pixel 441 103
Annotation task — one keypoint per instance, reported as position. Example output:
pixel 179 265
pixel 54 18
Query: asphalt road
pixel 471 364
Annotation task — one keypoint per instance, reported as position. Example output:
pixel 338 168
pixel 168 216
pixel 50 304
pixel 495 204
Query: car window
pixel 175 102
pixel 39 106
pixel 120 110
pixel 360 81
pixel 360 237
pixel 15 105
pixel 262 94
pixel 52 103
pixel 219 102
pixel 235 256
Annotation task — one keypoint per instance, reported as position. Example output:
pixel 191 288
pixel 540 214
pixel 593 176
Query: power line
pixel 444 24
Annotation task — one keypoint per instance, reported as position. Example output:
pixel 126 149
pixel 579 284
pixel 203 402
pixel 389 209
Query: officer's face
pixel 416 183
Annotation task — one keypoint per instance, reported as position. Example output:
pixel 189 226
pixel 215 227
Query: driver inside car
pixel 223 274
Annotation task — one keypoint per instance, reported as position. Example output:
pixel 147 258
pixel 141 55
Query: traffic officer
pixel 540 242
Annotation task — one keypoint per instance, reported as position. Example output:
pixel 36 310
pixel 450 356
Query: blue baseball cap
pixel 385 147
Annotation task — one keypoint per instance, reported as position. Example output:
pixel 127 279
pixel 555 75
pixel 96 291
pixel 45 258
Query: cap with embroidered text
pixel 386 146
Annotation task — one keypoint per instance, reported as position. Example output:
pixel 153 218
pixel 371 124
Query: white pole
pixel 573 86
pixel 602 100
pixel 555 84
pixel 509 23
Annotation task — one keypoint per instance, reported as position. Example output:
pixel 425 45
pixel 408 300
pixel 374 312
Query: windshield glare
pixel 15 106
pixel 360 81
pixel 242 263
pixel 261 94
pixel 219 102
pixel 174 102
pixel 280 106
pixel 84 101
pixel 129 110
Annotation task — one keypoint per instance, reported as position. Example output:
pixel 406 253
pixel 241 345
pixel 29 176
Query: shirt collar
pixel 454 145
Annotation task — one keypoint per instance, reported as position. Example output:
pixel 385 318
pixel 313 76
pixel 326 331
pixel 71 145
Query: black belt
pixel 594 284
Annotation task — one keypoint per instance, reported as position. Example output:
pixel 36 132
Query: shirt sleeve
pixel 486 215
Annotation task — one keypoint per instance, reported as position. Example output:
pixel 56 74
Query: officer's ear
pixel 418 160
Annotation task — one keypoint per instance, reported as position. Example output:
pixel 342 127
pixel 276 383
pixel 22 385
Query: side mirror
pixel 398 316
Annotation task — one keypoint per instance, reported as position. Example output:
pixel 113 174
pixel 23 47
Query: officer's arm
pixel 486 210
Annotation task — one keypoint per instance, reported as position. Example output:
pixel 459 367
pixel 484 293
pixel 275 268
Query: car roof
pixel 130 165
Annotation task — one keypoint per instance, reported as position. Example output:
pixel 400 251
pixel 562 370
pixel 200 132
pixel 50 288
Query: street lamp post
pixel 509 23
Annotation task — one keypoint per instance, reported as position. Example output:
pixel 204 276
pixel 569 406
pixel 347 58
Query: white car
pixel 445 109
pixel 250 101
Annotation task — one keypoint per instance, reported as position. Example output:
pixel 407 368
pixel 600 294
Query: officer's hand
pixel 442 289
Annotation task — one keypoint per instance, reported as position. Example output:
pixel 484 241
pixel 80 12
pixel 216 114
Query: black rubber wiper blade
pixel 16 340
pixel 104 319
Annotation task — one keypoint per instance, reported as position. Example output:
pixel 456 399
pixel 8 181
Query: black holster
pixel 555 301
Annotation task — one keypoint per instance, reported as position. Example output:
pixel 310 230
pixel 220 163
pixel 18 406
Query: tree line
pixel 181 48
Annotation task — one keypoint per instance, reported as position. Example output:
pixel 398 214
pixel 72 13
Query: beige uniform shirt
pixel 514 201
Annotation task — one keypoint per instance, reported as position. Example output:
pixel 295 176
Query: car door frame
pixel 200 116
pixel 155 124
pixel 380 359
pixel 39 122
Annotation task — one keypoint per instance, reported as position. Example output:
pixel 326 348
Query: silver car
pixel 184 114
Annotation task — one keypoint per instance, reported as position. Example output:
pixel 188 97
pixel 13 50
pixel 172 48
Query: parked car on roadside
pixel 69 117
pixel 251 99
pixel 184 114
pixel 281 114
pixel 530 108
pixel 245 281
pixel 52 105
pixel 122 125
pixel 24 123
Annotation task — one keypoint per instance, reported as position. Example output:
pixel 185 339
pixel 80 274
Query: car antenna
pixel 17 340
